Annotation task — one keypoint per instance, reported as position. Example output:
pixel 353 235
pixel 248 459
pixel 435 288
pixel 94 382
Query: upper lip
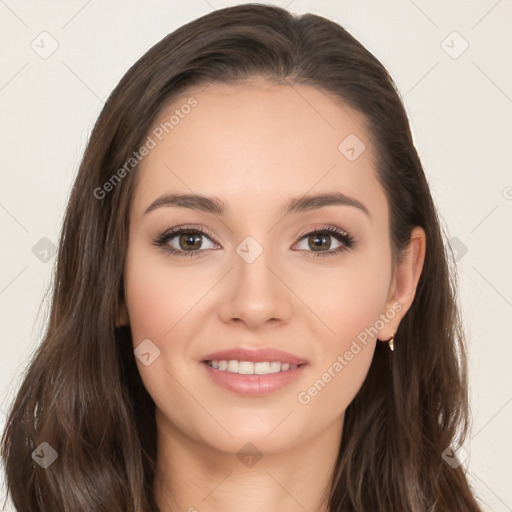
pixel 254 355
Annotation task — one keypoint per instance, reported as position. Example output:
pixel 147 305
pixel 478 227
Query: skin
pixel 255 146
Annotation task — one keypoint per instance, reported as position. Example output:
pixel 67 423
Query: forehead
pixel 257 144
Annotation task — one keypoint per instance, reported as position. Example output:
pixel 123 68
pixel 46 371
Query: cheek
pixel 351 298
pixel 158 296
pixel 351 306
pixel 149 308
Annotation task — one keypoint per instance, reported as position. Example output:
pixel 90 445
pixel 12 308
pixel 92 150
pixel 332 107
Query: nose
pixel 256 293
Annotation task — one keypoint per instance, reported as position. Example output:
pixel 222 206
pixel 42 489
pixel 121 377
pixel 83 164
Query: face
pixel 313 282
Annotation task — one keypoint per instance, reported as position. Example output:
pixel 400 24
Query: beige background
pixel 460 105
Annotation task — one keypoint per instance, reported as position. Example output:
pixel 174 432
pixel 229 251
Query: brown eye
pixel 189 241
pixel 319 243
pixel 184 241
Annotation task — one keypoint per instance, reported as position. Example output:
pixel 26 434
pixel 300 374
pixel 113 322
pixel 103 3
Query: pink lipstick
pixel 253 372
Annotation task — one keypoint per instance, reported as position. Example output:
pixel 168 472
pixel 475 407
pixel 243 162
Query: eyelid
pixel 322 227
pixel 190 227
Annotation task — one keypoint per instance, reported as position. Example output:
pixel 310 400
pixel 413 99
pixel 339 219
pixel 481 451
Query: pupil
pixel 191 238
pixel 319 239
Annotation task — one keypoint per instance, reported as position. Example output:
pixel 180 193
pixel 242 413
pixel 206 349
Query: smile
pixel 251 368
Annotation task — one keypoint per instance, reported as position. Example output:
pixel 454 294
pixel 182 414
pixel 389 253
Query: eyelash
pixel 347 241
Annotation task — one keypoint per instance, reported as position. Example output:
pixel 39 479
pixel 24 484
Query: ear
pixel 405 280
pixel 122 316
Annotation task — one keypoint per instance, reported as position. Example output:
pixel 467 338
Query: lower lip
pixel 253 385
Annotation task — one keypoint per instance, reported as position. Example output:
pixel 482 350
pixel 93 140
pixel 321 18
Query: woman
pixel 252 308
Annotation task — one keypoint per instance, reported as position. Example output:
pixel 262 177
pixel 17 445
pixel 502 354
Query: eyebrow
pixel 218 207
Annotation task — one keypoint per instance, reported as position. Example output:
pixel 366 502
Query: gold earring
pixel 390 341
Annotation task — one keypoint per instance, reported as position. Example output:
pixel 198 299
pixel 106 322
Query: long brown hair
pixel 82 393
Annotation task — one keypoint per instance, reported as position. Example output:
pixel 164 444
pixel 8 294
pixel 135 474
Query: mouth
pixel 253 372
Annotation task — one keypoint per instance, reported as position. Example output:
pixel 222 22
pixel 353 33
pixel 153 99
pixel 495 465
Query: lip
pixel 255 356
pixel 253 385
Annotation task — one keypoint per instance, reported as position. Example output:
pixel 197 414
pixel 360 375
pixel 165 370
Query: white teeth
pixel 245 367
pixel 275 366
pixel 250 368
pixel 233 366
pixel 261 368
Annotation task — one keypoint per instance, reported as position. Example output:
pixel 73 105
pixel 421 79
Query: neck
pixel 194 477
